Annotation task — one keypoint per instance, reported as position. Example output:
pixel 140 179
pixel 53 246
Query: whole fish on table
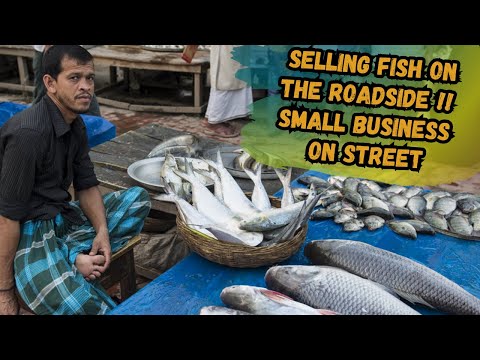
pixel 335 289
pixel 261 301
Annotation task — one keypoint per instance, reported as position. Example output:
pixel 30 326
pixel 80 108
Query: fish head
pixel 286 279
pixel 238 296
pixel 258 222
pixel 170 161
pixel 320 252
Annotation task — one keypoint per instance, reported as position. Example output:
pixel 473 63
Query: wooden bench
pixel 122 269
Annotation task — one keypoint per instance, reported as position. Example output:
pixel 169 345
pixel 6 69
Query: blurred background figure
pixel 229 97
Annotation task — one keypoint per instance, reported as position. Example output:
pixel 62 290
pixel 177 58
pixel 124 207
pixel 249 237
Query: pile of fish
pixel 180 146
pixel 347 278
pixel 226 213
pixel 357 203
pixel 407 278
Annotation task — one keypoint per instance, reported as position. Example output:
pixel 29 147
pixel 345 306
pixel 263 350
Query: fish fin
pixel 384 288
pixel 414 299
pixel 327 312
pixel 275 295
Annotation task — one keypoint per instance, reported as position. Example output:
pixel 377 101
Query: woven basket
pixel 240 256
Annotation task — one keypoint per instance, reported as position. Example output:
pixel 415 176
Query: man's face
pixel 75 85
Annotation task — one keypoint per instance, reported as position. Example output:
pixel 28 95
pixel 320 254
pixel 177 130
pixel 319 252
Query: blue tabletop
pixel 196 282
pixel 99 130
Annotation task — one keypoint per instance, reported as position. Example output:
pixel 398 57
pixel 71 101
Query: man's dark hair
pixel 52 59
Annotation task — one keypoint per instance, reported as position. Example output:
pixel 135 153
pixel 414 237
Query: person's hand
pixel 101 245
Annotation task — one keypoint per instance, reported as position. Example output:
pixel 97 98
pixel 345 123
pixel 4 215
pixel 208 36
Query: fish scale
pixel 410 279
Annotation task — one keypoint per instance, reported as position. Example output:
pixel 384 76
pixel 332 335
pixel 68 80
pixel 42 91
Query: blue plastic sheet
pixel 196 282
pixel 99 130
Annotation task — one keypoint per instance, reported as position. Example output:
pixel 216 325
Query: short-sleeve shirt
pixel 40 155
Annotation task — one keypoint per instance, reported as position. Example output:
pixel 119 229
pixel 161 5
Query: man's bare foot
pixel 224 129
pixel 8 302
pixel 90 266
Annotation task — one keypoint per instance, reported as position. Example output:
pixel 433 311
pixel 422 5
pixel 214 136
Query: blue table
pixel 196 282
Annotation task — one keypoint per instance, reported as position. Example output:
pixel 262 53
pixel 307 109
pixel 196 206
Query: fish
pixel 260 301
pixel 287 197
pixel 353 225
pixel 373 222
pixel 233 195
pixel 436 220
pixel 403 228
pixel 398 200
pixel 272 218
pixel 167 175
pixel 412 191
pixel 186 141
pixel 460 225
pixel 298 222
pixel 221 310
pixel 421 227
pixel 260 197
pixel 322 214
pixel 474 219
pixel 197 221
pixel 352 196
pixel 385 214
pixel 417 205
pixel 351 184
pixel 371 201
pixel 218 213
pixel 408 278
pixel 334 289
pixel 445 205
pixel 467 205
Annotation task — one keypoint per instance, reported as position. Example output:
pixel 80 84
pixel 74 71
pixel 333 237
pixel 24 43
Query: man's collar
pixel 60 126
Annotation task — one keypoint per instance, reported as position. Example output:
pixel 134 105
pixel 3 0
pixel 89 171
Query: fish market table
pixel 196 282
pixel 23 53
pixel 136 57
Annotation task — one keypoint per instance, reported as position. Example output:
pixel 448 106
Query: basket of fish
pixel 221 250
pixel 230 227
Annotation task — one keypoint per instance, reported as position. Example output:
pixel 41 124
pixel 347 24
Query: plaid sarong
pixel 45 274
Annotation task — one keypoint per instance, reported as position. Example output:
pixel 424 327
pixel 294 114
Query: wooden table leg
pixel 197 90
pixel 23 72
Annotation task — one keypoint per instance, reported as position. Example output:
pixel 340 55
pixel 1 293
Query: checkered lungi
pixel 45 274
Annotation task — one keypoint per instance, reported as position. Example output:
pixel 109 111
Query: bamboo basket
pixel 240 256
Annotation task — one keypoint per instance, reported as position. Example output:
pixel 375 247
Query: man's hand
pixel 101 245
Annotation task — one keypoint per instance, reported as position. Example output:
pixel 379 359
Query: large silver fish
pixel 335 289
pixel 411 280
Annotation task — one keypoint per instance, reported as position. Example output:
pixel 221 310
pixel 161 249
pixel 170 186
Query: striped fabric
pixel 45 274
